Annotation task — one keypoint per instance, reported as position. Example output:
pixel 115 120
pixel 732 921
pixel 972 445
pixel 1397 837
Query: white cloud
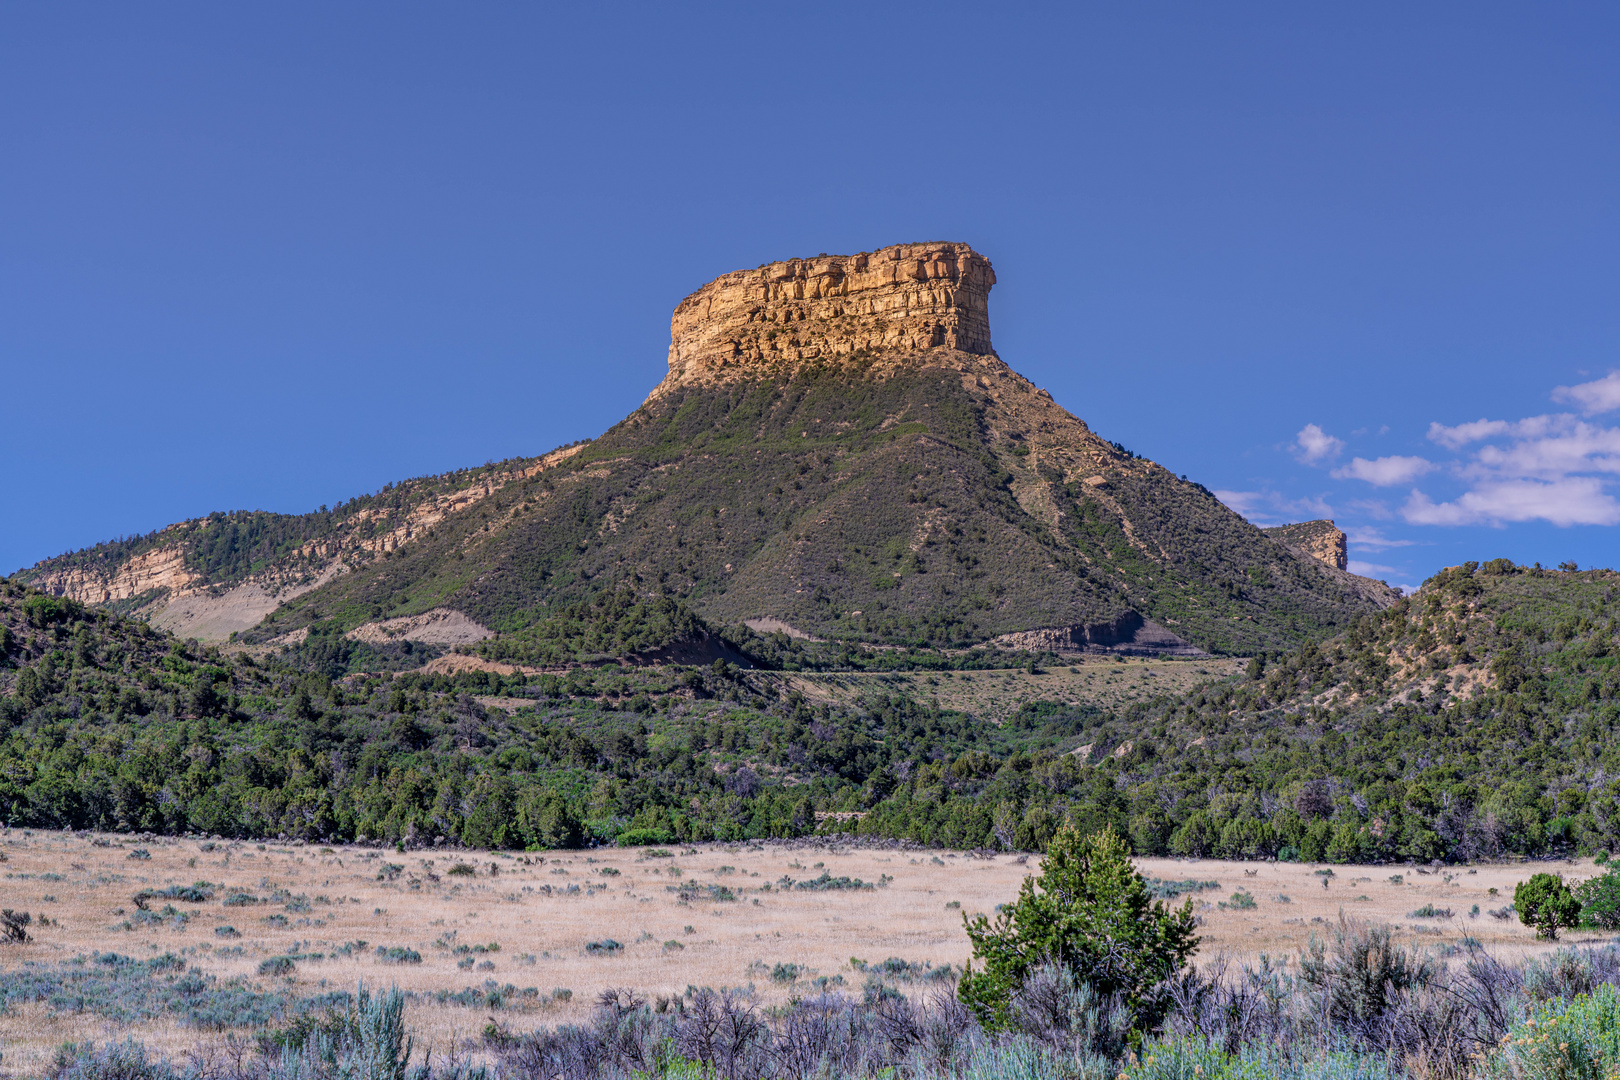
pixel 1575 500
pixel 1455 438
pixel 1273 508
pixel 1531 427
pixel 1372 539
pixel 1384 471
pixel 1598 396
pixel 1313 446
pixel 1369 569
pixel 1245 503
pixel 1553 452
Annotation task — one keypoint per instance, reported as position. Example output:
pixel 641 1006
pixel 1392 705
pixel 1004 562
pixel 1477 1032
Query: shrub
pixel 1429 911
pixel 1566 973
pixel 688 891
pixel 1169 890
pixel 827 883
pixel 191 894
pixel 278 965
pixel 1364 977
pixel 398 954
pixel 1546 903
pixel 1190 1059
pixel 606 945
pixel 462 869
pixel 1600 901
pixel 14 925
pixel 1242 900
pixel 1091 912
pixel 1577 1038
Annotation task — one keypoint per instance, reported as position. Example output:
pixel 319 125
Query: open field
pixel 1103 682
pixel 716 915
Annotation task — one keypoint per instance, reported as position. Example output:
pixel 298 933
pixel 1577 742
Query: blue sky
pixel 1359 264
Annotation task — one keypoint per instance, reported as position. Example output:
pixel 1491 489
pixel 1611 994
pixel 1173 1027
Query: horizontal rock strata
pixel 908 298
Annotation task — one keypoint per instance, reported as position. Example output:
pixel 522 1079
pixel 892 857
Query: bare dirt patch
pixel 769 625
pixel 211 618
pixel 441 626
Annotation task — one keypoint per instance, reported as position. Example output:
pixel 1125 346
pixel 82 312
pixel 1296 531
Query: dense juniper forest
pixel 1474 719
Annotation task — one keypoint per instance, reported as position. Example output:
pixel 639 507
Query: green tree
pixel 1600 901
pixel 1546 903
pixel 548 821
pixel 1090 912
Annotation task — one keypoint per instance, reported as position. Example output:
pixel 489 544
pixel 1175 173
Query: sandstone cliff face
pixel 162 568
pixel 905 299
pixel 1321 540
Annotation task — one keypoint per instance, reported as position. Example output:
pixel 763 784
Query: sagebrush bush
pixel 1563 1040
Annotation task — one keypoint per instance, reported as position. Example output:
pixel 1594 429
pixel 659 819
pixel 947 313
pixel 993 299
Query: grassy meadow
pixel 182 942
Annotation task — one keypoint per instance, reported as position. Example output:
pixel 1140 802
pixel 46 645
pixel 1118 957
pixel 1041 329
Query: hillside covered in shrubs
pixel 1472 720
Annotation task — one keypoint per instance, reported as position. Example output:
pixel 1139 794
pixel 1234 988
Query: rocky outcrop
pixel 1128 634
pixel 441 626
pixel 1320 540
pixel 905 299
pixel 160 568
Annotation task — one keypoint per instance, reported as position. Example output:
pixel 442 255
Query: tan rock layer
pixel 909 298
pixel 1321 540
pixel 189 607
pixel 161 568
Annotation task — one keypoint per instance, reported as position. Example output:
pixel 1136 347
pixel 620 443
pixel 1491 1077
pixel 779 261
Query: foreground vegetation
pixel 1085 977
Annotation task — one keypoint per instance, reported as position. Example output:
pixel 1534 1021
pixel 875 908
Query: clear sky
pixel 273 256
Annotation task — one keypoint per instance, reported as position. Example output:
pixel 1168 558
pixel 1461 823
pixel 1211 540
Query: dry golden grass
pixel 542 938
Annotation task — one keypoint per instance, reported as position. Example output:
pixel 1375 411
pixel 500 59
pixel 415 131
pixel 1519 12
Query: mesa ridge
pixel 908 298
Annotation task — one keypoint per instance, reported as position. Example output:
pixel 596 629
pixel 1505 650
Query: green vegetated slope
pixel 225 549
pixel 1476 718
pixel 911 508
pixel 108 723
pixel 1325 752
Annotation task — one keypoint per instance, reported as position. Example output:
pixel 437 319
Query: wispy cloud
pixel 1384 471
pixel 1370 569
pixel 1373 539
pixel 1598 396
pixel 1313 446
pixel 1274 508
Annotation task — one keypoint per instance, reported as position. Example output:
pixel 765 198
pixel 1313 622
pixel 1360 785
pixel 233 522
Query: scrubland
pixel 185 941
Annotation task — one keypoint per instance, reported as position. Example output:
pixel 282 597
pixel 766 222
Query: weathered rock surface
pixel 160 568
pixel 1321 540
pixel 1128 634
pixel 905 299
